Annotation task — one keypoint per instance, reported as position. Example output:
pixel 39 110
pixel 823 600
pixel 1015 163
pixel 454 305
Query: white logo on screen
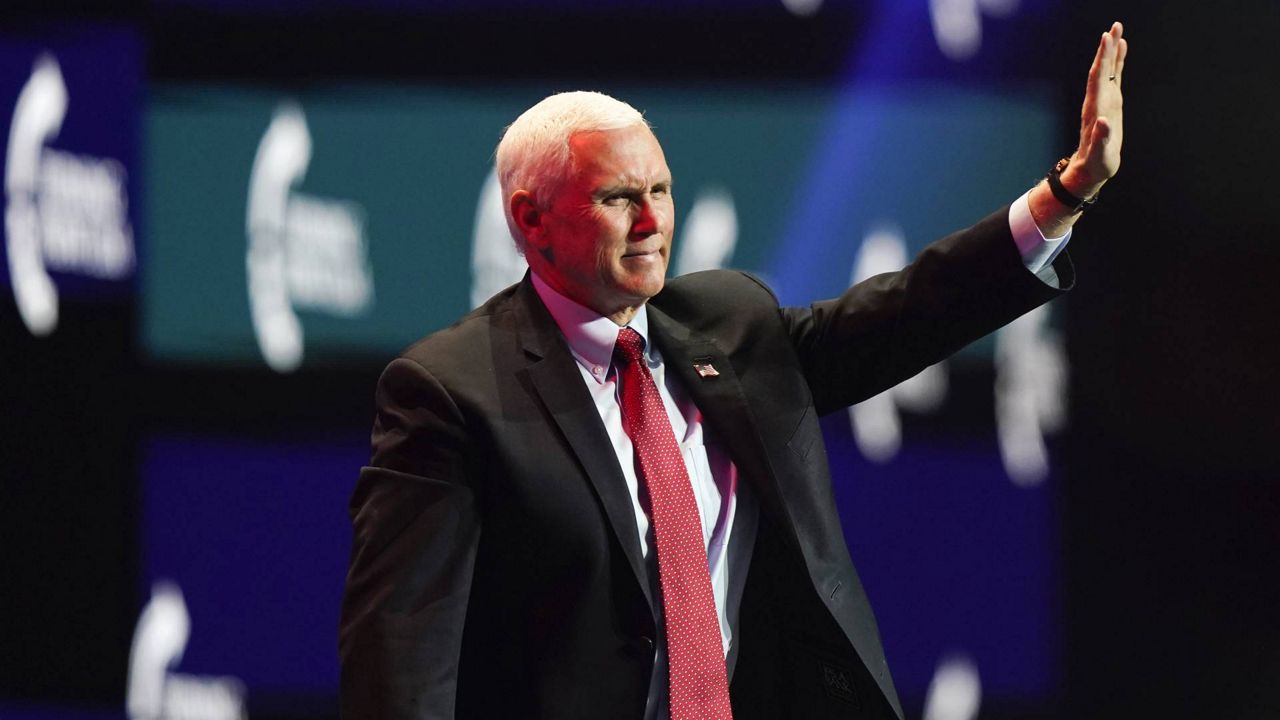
pixel 957 24
pixel 955 692
pixel 305 252
pixel 495 261
pixel 63 212
pixel 155 692
pixel 877 427
pixel 710 232
pixel 1030 394
pixel 1030 387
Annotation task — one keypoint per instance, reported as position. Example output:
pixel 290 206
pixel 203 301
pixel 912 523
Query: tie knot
pixel 630 346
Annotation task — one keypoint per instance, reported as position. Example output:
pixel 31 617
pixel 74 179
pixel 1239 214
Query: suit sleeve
pixel 415 533
pixel 891 326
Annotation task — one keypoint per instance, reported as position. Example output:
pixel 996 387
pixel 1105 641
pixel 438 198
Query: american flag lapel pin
pixel 704 368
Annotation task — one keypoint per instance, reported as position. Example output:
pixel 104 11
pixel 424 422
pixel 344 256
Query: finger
pixel 1121 54
pixel 1096 68
pixel 1092 89
pixel 1109 43
pixel 1117 39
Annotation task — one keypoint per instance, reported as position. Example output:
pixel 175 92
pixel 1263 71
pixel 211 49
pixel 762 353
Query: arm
pixel 1097 158
pixel 416 528
pixel 891 326
pixel 964 286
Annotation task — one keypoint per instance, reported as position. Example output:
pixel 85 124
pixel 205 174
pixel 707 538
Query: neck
pixel 620 315
pixel 623 316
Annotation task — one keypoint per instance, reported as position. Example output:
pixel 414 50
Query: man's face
pixel 609 227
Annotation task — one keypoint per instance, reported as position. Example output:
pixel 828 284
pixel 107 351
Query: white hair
pixel 534 154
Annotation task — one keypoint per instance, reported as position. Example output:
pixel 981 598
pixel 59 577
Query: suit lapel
pixel 722 401
pixel 554 375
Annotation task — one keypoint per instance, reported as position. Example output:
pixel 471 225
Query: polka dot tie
pixel 699 685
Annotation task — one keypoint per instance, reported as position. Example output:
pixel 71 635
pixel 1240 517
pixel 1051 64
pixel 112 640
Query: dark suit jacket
pixel 496 569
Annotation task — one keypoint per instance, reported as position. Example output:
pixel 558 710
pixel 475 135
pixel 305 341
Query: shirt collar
pixel 590 335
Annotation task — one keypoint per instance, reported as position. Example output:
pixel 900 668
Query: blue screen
pixel 256 537
pixel 79 138
pixel 956 559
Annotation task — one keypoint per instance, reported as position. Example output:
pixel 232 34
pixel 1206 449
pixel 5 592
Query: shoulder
pixel 734 309
pixel 715 294
pixel 469 342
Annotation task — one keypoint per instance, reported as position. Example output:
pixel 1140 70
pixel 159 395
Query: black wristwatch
pixel 1063 195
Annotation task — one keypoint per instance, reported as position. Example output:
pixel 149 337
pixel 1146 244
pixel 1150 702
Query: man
pixel 603 495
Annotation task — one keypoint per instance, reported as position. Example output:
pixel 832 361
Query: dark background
pixel 1170 512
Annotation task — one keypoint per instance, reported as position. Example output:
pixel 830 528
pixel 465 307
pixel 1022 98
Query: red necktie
pixel 699 685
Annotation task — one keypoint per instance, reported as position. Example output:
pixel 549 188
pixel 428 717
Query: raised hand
pixel 1097 158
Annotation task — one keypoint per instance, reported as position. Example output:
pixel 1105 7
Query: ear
pixel 528 217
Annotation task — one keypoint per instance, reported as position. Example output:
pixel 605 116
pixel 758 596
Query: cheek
pixel 607 260
pixel 603 256
pixel 667 217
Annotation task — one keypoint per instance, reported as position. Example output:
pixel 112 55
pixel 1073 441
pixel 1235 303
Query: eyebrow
pixel 616 187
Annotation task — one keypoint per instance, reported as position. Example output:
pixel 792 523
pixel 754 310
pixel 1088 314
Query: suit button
pixel 646 642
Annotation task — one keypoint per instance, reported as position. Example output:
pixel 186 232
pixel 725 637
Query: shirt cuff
pixel 1038 251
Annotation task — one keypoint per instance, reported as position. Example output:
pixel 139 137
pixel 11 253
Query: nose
pixel 647 218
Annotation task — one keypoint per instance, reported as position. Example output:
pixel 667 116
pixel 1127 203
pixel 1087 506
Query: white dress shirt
pixel 727 510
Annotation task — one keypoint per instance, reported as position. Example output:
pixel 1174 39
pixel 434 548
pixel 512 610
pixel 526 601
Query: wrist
pixel 1076 179
pixel 1052 217
pixel 1067 197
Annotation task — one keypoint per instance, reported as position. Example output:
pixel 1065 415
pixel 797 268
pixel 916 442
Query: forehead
pixel 630 154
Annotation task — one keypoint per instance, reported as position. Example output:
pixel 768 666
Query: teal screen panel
pixel 376 198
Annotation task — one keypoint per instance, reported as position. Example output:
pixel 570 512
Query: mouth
pixel 641 253
pixel 650 259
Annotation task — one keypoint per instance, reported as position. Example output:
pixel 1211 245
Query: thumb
pixel 1101 133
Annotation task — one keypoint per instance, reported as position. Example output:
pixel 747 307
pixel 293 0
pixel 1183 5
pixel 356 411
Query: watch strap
pixel 1063 195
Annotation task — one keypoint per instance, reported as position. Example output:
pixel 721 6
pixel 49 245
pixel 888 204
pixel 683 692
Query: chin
pixel 641 285
pixel 650 287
